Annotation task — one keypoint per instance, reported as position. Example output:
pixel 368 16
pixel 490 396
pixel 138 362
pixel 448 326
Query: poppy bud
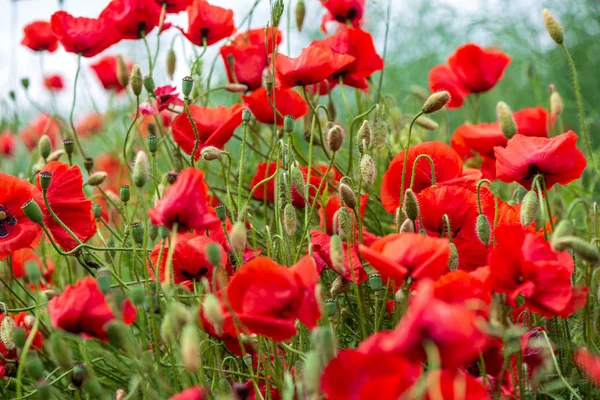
pixel 288 123
pixel 97 178
pixel 37 168
pixel 453 260
pixel 124 193
pixel 136 80
pixel 337 255
pixel 331 109
pixel 7 327
pixel 483 229
pixel 368 170
pixel 344 222
pixel 530 208
pixel 419 92
pixel 149 85
pixel 379 133
pixel 579 246
pixel 88 164
pixel 335 138
pixel 176 318
pixel 290 220
pixel 171 63
pixel 553 27
pixel 35 368
pixel 138 295
pixel 122 71
pixel 190 348
pixel 221 212
pixel 347 195
pixel 563 228
pixel 33 273
pixel 69 146
pixel 33 211
pixel 236 88
pixel 152 144
pixel 269 82
pixel 506 120
pixel 187 84
pixel 45 146
pixel 55 155
pixel 211 307
pixel 556 104
pixel 311 373
pixel 300 13
pixel 137 232
pixel 24 83
pixel 323 341
pixel 213 254
pixel 407 227
pixel 363 137
pixel 427 123
pixel 141 169
pixel 411 205
pixel 375 282
pixel 246 115
pixel 19 337
pixel 297 180
pixel 400 216
pixel 93 387
pixel 104 279
pixel 315 138
pixel 45 179
pixel 210 153
pixel 79 376
pixel 435 102
pixel 61 351
pixel 238 237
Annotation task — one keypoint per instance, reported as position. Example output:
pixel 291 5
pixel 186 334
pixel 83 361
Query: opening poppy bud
pixel 190 348
pixel 347 195
pixel 290 220
pixel 93 387
pixel 33 211
pixel 45 146
pixel 330 307
pixel 55 155
pixel 137 232
pixel 45 180
pixel 238 237
pixel 122 71
pixel 556 104
pixel 400 216
pixel 337 255
pixel 297 180
pixel 363 137
pixel 335 138
pixel 149 85
pixel 171 63
pixel 288 123
pixel 69 146
pixel 34 368
pixel 136 80
pixel 553 27
pixel 210 153
pixel 236 88
pixel 61 351
pixel 19 337
pixel 407 226
pixel 323 341
pixel 411 205
pixel 246 115
pixel 152 144
pixel 368 170
pixel 33 273
pixel 453 260
pixel 506 120
pixel 24 83
pixel 579 246
pixel 221 212
pixel 88 164
pixel 563 228
pixel 187 84
pixel 530 208
pixel 300 13
pixel 211 307
pixel 344 223
pixel 375 282
pixel 141 169
pixel 7 327
pixel 427 123
pixel 213 254
pixel 104 279
pixel 124 193
pixel 483 229
pixel 97 178
pixel 435 102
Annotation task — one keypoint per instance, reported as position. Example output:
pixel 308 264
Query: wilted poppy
pixel 8 143
pixel 557 159
pixel 215 127
pixel 54 83
pixel 38 36
pixel 589 364
pixel 208 24
pixel 343 11
pixel 133 19
pixel 42 125
pixel 184 203
pixel 287 102
pixel 85 36
pixel 106 71
pixel 16 230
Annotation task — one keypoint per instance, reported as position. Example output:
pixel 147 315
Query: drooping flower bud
pixel 427 123
pixel 171 63
pixel 347 195
pixel 290 220
pixel 368 170
pixel 506 120
pixel 55 155
pixel 136 80
pixel 339 286
pixel 300 13
pixel 311 372
pixel 213 254
pixel 411 205
pixel 553 27
pixel 363 137
pixel 236 88
pixel 93 388
pixel 34 368
pixel 323 341
pixel 584 249
pixel 210 153
pixel 122 71
pixel 213 311
pixel 337 255
pixel 97 178
pixel 379 133
pixel 563 228
pixel 335 138
pixel 141 169
pixel 32 210
pixel 19 337
pixel 435 102
pixel 190 348
pixel 137 232
pixel 45 146
pixel 104 279
pixel 176 318
pixel 556 104
pixel 238 237
pixel 400 216
pixel 407 227
pixel 149 85
pixel 297 180
pixel 530 208
pixel 483 229
pixel 138 295
pixel 344 223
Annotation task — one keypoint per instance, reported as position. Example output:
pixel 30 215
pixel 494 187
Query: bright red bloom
pixel 43 124
pixel 208 23
pixel 38 36
pixel 106 71
pixel 268 298
pixel 400 255
pixel 175 6
pixel 215 127
pixel 193 393
pixel 589 363
pixel 448 168
pixel 558 159
pixel 442 77
pixel 85 36
pixel 167 96
pixel 16 230
pixel 322 88
pixel 8 142
pixel 54 83
pixel 184 203
pixel 460 287
pixel 355 375
pixel 89 124
pixel 343 11
pixel 315 64
pixel 21 258
pixel 287 101
pixel 524 264
pixel 359 44
pixel 453 385
pixel 327 213
pixel 83 309
pixel 132 18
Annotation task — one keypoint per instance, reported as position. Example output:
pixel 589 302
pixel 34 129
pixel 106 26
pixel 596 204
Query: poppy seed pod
pixel 136 80
pixel 300 13
pixel 506 120
pixel 363 137
pixel 122 71
pixel 190 348
pixel 375 282
pixel 187 84
pixel 337 255
pixel 88 164
pixel 45 146
pixel 246 115
pixel 330 307
pixel 368 170
pixel 238 237
pixel 138 295
pixel 210 153
pixel 124 193
pixel 97 178
pixel 584 249
pixel 221 212
pixel 137 232
pixel 149 85
pixel 335 138
pixel 483 229
pixel 435 102
pixel 32 210
pixel 141 169
pixel 553 27
pixel 556 104
pixel 339 286
pixel 45 179
pixel 69 146
pixel 211 307
pixel 530 208
pixel 411 205
pixel 427 123
pixel 290 220
pixel 152 144
pixel 171 63
pixel 288 123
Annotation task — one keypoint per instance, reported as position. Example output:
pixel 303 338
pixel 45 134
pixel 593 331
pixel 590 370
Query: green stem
pixel 73 107
pixel 406 159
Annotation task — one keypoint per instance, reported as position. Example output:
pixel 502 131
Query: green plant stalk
pixel 73 107
pixel 400 204
pixel 241 171
pixel 23 355
pixel 196 133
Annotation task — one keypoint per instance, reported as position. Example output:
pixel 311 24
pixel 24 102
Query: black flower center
pixel 195 277
pixel 6 220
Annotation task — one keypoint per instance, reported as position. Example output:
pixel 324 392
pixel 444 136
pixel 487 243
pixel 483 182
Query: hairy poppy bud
pixel 176 318
pixel 136 80
pixel 190 348
pixel 138 295
pixel 530 208
pixel 137 232
pixel 35 368
pixel 553 27
pixel 171 63
pixel 238 236
pixel 400 216
pixel 124 193
pixel 363 137
pixel 563 228
pixel 375 282
pixel 323 341
pixel 556 104
pixel 297 180
pixel 579 246
pixel 45 146
pixel 300 13
pixel 246 115
pixel 427 123
pixel 506 120
pixel 337 255
pixel 213 254
pixel 368 170
pixel 311 372
pixel 419 92
pixel 288 123
pixel 97 178
pixel 32 210
pixel 435 102
pixel 453 260
pixel 149 85
pixel 61 351
pixel 104 278
pixel 211 307
pixel 290 220
pixel 69 146
pixel 379 133
pixel 338 286
pixel 411 205
pixel 335 138
pixel 45 179
pixel 483 229
pixel 210 153
pixel 347 195
pixel 152 144
pixel 407 226
pixel 122 71
pixel 141 169
pixel 331 109
pixel 236 88
pixel 55 155
pixel 7 327
pixel 344 222
pixel 19 337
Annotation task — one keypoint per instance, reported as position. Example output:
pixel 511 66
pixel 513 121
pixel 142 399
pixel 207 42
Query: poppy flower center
pixel 6 220
pixel 204 32
pixel 188 275
pixel 350 15
pixel 532 171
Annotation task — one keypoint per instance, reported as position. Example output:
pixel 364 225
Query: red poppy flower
pixel 167 96
pixel 343 11
pixel 21 258
pixel 193 393
pixel 460 287
pixel 106 71
pixel 184 203
pixel 215 127
pixel 322 88
pixel 116 172
pixel 355 375
pixel 315 64
pixel 400 255
pixel 359 44
pixel 67 200
pixel 7 144
pixel 132 18
pixel 268 298
pixel 42 125
pixel 558 159
pixel 189 259
pixel 16 230
pixel 448 168
pixel 175 6
pixel 85 36
pixel 54 83
pixel 83 310
pixel 89 124
pixel 38 36
pixel 524 264
pixel 327 213
pixel 287 101
pixel 153 117
pixel 589 364
pixel 453 385
pixel 208 23
pixel 442 77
